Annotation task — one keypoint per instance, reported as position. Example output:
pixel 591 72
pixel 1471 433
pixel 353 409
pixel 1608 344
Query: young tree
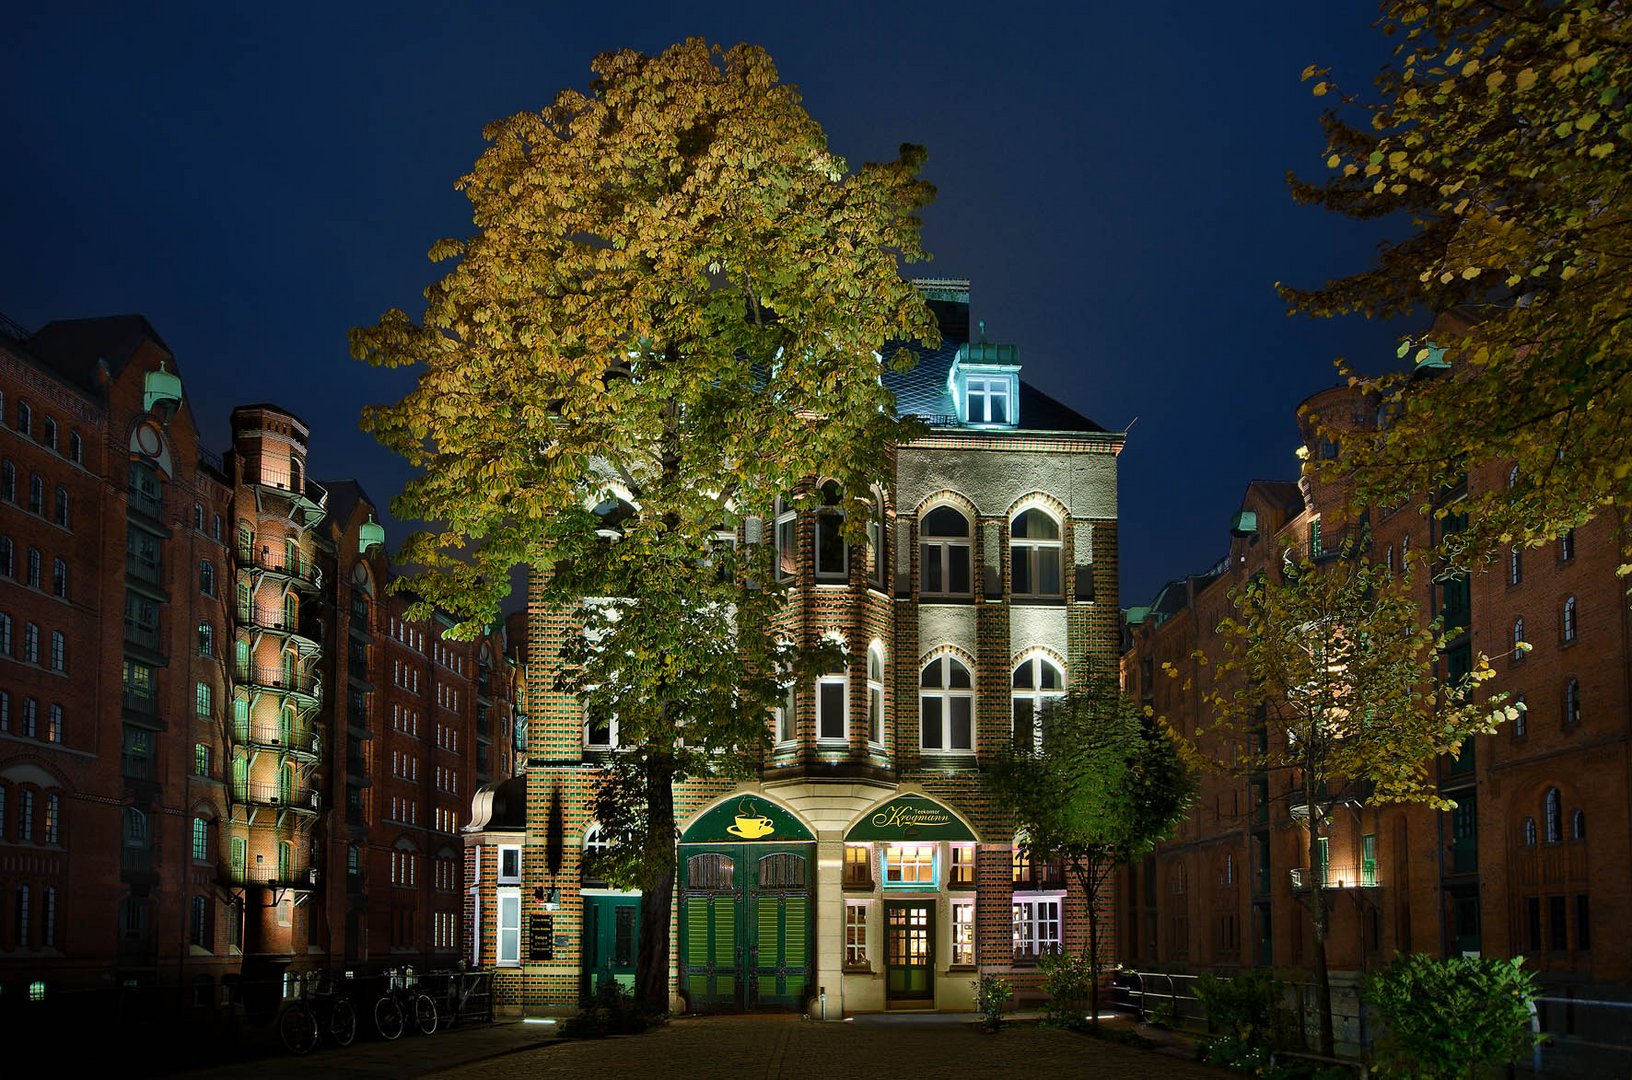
pixel 1101 787
pixel 672 312
pixel 1502 133
pixel 1331 675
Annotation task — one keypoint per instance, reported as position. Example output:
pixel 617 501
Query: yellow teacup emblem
pixel 750 826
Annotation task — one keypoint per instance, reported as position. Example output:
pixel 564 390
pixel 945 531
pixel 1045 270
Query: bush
pixel 1068 980
pixel 992 995
pixel 1451 1018
pixel 612 1011
pixel 1249 1012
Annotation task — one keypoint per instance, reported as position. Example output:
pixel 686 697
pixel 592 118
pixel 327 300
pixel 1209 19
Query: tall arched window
pixel 946 701
pixel 875 694
pixel 1038 682
pixel 1518 638
pixel 944 554
pixel 1566 546
pixel 76 448
pixel 8 481
pixel 832 702
pixel 1553 815
pixel 62 511
pixel 206 577
pixel 1578 825
pixel 1529 832
pixel 49 433
pixel 786 535
pixel 832 553
pixel 1568 625
pixel 59 578
pixel 36 495
pixel 1034 546
pixel 875 541
pixel 238 856
pixel 1515 565
pixel 1572 702
pixel 25 418
pixel 1513 478
pixel 201 839
pixel 7 555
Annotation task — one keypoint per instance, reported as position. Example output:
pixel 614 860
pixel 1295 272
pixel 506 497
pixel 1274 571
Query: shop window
pixel 1036 926
pixel 961 871
pixel 963 933
pixel 855 936
pixel 909 865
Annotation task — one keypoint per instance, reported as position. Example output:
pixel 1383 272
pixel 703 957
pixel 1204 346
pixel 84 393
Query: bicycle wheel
pixel 298 1029
pixel 388 1017
pixel 343 1022
pixel 425 1014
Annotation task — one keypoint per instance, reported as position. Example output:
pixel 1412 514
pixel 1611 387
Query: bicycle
pixel 402 1000
pixel 320 1009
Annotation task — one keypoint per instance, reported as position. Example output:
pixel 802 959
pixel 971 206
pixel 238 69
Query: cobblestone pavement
pixel 770 1047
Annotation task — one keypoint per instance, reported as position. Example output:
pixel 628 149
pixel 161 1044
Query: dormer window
pixel 985 383
pixel 988 399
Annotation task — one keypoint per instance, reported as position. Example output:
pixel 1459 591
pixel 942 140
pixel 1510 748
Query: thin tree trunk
pixel 1088 880
pixel 657 898
pixel 1318 916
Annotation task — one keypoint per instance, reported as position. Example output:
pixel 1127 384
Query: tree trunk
pixel 1088 880
pixel 1318 917
pixel 657 897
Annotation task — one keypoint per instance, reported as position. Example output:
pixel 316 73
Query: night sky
pixel 256 182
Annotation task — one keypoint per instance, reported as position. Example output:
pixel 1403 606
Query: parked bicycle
pixel 323 1008
pixel 403 1002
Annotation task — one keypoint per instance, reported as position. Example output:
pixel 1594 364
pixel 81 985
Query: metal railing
pixel 1335 877
pixel 294 797
pixel 277 678
pixel 147 570
pixel 140 634
pixel 1170 996
pixel 278 562
pixel 1596 1044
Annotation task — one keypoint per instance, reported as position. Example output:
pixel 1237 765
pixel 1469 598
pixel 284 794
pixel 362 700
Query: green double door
pixel 745 925
pixel 611 928
pixel 909 953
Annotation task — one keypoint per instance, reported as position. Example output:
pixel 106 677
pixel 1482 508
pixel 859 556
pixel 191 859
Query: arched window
pixel 1038 683
pixel 135 828
pixel 8 481
pixel 238 848
pixel 7 555
pixel 1578 825
pixel 34 568
pixel 36 494
pixel 832 554
pixel 198 516
pixel 1566 546
pixel 201 839
pixel 1518 638
pixel 875 694
pixel 1513 478
pixel 1521 722
pixel 1529 832
pixel 944 554
pixel 31 643
pixel 49 436
pixel 946 700
pixel 786 533
pixel 832 702
pixel 1572 702
pixel 59 651
pixel 246 541
pixel 875 541
pixel 53 724
pixel 1568 625
pixel 206 578
pixel 76 448
pixel 206 639
pixel 62 510
pixel 25 418
pixel 1034 546
pixel 1515 565
pixel 1553 815
pixel 59 578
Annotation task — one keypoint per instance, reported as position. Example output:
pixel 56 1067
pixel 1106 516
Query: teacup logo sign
pixel 749 825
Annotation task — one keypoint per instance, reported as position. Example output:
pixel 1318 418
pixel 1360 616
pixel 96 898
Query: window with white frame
pixel 875 541
pixel 600 731
pixel 944 554
pixel 509 943
pixel 832 553
pixel 855 935
pixel 1034 548
pixel 832 703
pixel 1038 683
pixel 961 872
pixel 509 864
pixel 785 715
pixel 988 399
pixel 946 700
pixel 909 865
pixel 963 933
pixel 786 534
pixel 1036 925
pixel 875 694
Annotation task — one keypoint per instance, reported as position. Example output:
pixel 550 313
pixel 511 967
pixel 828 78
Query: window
pixel 909 864
pixel 1515 565
pixel 135 826
pixel 201 839
pixel 62 516
pixel 8 481
pixel 31 709
pixel 961 874
pixel 25 418
pixel 34 568
pixel 201 759
pixel 198 517
pixel 49 434
pixel 855 935
pixel 1567 626
pixel 25 815
pixel 206 639
pixel 1518 639
pixel 875 694
pixel 1578 825
pixel 785 717
pixel 1521 722
pixel 786 535
pixel 5 633
pixel 206 578
pixel 509 926
pixel 215 528
pixel 59 578
pixel 1034 547
pixel 944 554
pixel 946 702
pixel 987 399
pixel 202 700
pixel 31 643
pixel 832 554
pixel 53 818
pixel 832 703
pixel 53 725
pixel 1552 808
pixel 59 651
pixel 600 731
pixel 49 936
pixel 1572 702
pixel 239 847
pixel 24 902
pixel 1036 926
pixel 76 448
pixel 7 555
pixel 198 923
pixel 1037 684
pixel 509 865
pixel 36 495
pixel 1566 546
pixel 875 541
pixel 858 866
pixel 963 933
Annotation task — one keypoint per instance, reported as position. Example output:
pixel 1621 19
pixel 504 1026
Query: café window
pixel 907 865
pixel 961 867
pixel 858 865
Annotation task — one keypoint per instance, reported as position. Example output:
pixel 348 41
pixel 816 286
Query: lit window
pixel 944 554
pixel 53 725
pixel 946 701
pixel 909 864
pixel 1037 684
pixel 875 695
pixel 786 525
pixel 53 819
pixel 832 700
pixel 855 935
pixel 962 872
pixel 1036 926
pixel 963 933
pixel 1034 548
pixel 988 399
pixel 203 699
pixel 201 839
pixel 858 865
pixel 509 926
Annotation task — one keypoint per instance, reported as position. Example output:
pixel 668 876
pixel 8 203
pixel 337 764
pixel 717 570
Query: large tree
pixel 671 312
pixel 1099 787
pixel 1500 140
pixel 1332 676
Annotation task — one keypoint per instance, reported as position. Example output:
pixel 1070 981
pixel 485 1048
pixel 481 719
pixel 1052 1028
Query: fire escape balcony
pixel 296 798
pixel 304 572
pixel 281 680
pixel 272 619
pixel 1363 876
pixel 306 498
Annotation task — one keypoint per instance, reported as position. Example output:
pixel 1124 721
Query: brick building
pixel 200 792
pixel 1522 865
pixel 865 869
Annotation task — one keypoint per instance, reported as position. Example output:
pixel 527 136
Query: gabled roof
pixel 73 347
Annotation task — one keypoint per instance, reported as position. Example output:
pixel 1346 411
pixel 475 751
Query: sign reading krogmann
pixel 910 817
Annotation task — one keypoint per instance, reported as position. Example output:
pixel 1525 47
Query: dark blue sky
pixel 257 181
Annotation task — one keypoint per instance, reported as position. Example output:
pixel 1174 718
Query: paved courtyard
pixel 769 1047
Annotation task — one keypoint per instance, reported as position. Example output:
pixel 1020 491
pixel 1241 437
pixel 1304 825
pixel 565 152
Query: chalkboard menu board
pixel 541 937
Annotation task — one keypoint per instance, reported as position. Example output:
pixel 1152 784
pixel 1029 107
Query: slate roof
pixel 1285 493
pixel 74 346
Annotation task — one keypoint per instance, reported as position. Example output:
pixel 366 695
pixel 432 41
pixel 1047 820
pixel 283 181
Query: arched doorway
pixel 747 869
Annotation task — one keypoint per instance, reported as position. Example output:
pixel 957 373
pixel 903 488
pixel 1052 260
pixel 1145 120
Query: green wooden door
pixel 745 926
pixel 909 952
pixel 611 928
